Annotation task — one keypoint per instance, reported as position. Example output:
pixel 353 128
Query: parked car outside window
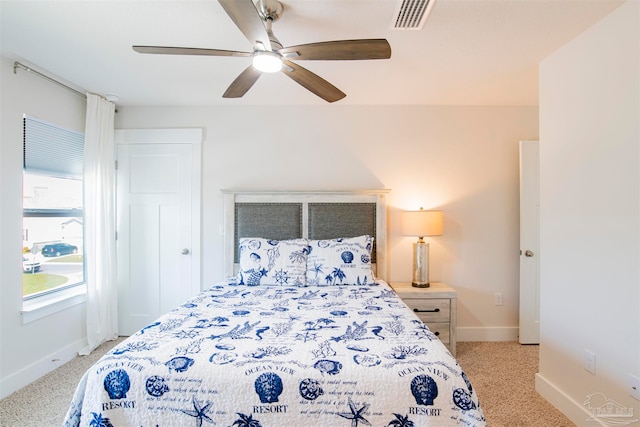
pixel 57 249
pixel 30 264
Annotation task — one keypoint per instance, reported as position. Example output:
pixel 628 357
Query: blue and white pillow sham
pixel 272 262
pixel 344 261
pixel 302 262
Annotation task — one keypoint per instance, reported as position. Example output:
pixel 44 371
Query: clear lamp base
pixel 420 265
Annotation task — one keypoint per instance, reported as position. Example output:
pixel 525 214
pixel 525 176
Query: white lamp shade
pixel 422 223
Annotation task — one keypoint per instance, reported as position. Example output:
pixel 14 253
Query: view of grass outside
pixel 68 258
pixel 44 279
pixel 38 282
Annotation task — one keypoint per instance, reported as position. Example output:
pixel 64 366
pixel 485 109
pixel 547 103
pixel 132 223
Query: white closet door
pixel 158 245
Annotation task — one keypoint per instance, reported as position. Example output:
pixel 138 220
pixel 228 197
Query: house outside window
pixel 53 215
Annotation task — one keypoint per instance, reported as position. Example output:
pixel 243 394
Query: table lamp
pixel 421 224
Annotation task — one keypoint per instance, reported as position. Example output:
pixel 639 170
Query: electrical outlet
pixel 590 361
pixel 498 298
pixel 634 386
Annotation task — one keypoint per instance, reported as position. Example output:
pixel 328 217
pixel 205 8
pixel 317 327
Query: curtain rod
pixel 17 65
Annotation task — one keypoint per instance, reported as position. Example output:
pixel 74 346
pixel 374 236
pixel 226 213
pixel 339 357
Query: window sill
pixel 47 305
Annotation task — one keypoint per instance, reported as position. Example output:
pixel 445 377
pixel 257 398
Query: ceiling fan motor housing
pixel 269 10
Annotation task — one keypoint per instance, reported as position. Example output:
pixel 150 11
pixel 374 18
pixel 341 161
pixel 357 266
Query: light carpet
pixel 503 374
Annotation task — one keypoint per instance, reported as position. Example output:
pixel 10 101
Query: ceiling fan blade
pixel 312 82
pixel 245 15
pixel 167 50
pixel 340 49
pixel 242 83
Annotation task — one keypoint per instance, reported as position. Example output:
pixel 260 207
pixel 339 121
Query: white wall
pixel 29 351
pixel 590 217
pixel 461 159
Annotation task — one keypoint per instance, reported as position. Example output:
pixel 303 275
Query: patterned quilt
pixel 239 355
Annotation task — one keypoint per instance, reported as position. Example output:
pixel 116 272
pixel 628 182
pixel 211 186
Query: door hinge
pixel 116 165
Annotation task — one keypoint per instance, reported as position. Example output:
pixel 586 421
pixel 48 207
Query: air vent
pixel 411 14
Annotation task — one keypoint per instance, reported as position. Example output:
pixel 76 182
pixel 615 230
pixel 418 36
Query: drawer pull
pixel 436 333
pixel 417 310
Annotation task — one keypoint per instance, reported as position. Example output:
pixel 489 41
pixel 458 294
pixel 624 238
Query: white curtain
pixel 99 223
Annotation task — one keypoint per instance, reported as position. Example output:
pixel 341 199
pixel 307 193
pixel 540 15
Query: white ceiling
pixel 470 52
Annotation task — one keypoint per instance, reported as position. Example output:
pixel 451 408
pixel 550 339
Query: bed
pixel 306 331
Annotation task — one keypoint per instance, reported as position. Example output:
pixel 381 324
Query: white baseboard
pixel 29 374
pixel 573 410
pixel 487 334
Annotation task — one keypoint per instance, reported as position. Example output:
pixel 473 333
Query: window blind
pixel 52 150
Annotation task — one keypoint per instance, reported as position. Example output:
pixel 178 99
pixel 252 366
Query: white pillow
pixel 272 262
pixel 344 261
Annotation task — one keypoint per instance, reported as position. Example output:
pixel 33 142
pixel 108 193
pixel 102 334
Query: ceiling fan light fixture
pixel 267 61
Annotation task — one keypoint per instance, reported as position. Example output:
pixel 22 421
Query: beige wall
pixel 463 160
pixel 590 217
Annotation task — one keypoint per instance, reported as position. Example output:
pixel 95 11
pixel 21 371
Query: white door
pixel 158 225
pixel 529 242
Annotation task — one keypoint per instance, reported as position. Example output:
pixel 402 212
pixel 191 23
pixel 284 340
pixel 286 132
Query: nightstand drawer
pixel 430 310
pixel 441 330
pixel 437 307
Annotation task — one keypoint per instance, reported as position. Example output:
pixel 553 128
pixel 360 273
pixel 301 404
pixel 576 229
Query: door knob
pixel 185 251
pixel 528 253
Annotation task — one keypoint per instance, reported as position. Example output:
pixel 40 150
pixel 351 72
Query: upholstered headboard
pixel 285 215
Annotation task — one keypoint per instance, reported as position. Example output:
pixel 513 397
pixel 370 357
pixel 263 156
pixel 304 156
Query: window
pixel 53 217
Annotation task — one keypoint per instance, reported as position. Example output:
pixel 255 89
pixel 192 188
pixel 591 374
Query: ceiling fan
pixel 270 56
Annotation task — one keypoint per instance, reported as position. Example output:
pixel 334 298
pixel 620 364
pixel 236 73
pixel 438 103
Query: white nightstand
pixel 436 306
